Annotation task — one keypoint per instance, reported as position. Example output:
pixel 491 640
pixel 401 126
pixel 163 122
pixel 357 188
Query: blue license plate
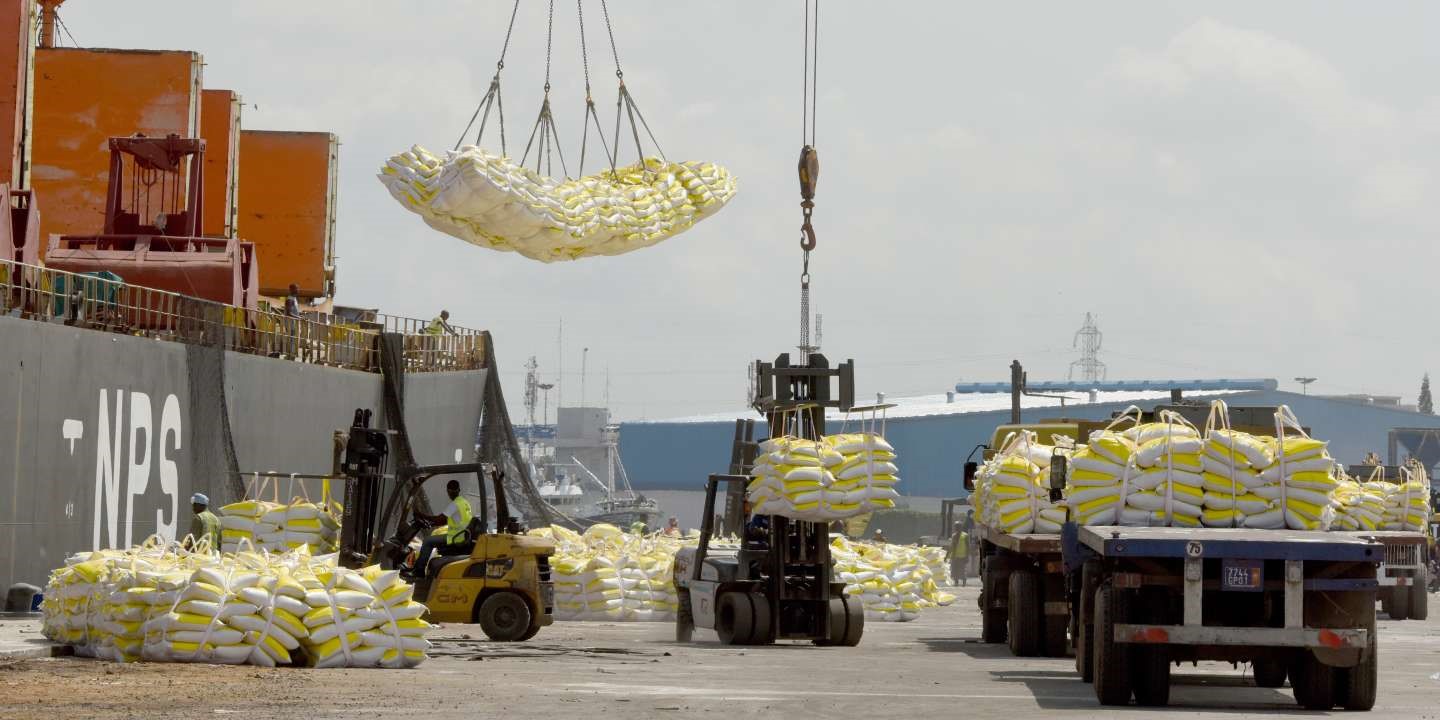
pixel 1242 575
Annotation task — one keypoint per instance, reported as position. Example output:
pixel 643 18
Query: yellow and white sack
pixel 893 582
pixel 490 201
pixel 1009 495
pixel 1095 487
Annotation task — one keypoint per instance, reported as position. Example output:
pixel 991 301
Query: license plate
pixel 1242 575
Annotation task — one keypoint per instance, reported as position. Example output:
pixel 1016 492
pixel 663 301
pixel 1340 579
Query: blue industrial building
pixel 932 445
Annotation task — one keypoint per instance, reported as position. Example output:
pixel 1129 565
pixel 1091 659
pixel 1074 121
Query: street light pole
pixel 1305 384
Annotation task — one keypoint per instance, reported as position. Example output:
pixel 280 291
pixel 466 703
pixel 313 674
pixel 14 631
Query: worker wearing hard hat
pixel 204 524
pixel 879 536
pixel 456 519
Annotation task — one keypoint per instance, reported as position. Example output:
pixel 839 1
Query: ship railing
pixel 101 301
pixel 416 326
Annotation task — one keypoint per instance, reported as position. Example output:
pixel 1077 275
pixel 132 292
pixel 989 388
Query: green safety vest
pixel 455 528
pixel 436 326
pixel 205 524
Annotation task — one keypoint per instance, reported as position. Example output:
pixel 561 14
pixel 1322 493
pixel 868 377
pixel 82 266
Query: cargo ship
pixel 149 348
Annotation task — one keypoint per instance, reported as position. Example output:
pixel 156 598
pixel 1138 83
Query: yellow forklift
pixel 499 579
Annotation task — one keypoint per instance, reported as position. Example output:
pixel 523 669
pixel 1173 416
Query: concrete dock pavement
pixel 934 667
pixel 20 638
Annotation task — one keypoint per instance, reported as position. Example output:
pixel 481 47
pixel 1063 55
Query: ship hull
pixel 104 437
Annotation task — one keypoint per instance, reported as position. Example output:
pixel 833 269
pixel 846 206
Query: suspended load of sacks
pixel 278 527
pixel 608 574
pixel 1011 493
pixel 834 478
pixel 894 582
pixel 490 201
pixel 160 603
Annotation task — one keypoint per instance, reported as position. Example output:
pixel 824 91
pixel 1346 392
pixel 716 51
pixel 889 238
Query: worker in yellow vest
pixel 203 524
pixel 449 541
pixel 959 553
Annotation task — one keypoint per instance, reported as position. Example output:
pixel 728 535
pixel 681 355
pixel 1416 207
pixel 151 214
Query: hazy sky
pixel 1234 188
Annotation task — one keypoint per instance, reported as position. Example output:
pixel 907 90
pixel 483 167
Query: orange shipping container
pixel 84 97
pixel 220 127
pixel 287 208
pixel 17 47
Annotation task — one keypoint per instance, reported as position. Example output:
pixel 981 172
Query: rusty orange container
pixel 287 208
pixel 84 97
pixel 17 48
pixel 220 128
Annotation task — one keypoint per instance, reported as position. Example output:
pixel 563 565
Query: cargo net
pixel 499 448
pixel 162 602
pixel 1170 473
pixel 494 201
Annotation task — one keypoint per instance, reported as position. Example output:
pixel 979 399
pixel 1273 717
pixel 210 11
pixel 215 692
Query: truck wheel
pixel 1085 621
pixel 1150 664
pixel 1024 614
pixel 1355 686
pixel 1400 602
pixel 684 618
pixel 854 621
pixel 1420 595
pixel 1055 641
pixel 1313 681
pixel 1268 673
pixel 504 616
pixel 734 619
pixel 762 630
pixel 1112 659
pixel 992 620
pixel 532 632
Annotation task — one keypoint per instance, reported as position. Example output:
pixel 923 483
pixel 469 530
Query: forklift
pixel 500 579
pixel 778 584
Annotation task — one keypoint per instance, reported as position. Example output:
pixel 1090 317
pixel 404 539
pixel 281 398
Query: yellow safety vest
pixel 455 528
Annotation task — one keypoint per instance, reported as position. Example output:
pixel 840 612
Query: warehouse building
pixel 933 434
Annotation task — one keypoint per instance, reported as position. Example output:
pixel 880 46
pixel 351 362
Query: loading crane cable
pixel 809 165
pixel 545 122
pixel 590 114
pixel 493 96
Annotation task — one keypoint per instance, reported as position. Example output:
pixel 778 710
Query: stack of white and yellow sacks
pixel 1010 495
pixel 894 582
pixel 608 574
pixel 1407 503
pixel 279 527
pixel 160 603
pixel 835 478
pixel 1359 505
pixel 1163 485
pixel 1095 487
pixel 491 201
pixel 1300 483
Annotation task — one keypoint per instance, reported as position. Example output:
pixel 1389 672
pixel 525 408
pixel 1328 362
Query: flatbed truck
pixel 1292 603
pixel 1404 575
pixel 1022 593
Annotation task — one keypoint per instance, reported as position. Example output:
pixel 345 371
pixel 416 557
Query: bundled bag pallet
pixel 1360 505
pixel 834 478
pixel 278 527
pixel 608 574
pixel 1407 504
pixel 159 602
pixel 1163 483
pixel 1096 487
pixel 1009 493
pixel 490 201
pixel 893 582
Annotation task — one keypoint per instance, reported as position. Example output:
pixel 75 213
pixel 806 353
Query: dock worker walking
pixel 959 553
pixel 203 525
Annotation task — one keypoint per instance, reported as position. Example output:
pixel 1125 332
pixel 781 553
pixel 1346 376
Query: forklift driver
pixel 757 527
pixel 455 517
